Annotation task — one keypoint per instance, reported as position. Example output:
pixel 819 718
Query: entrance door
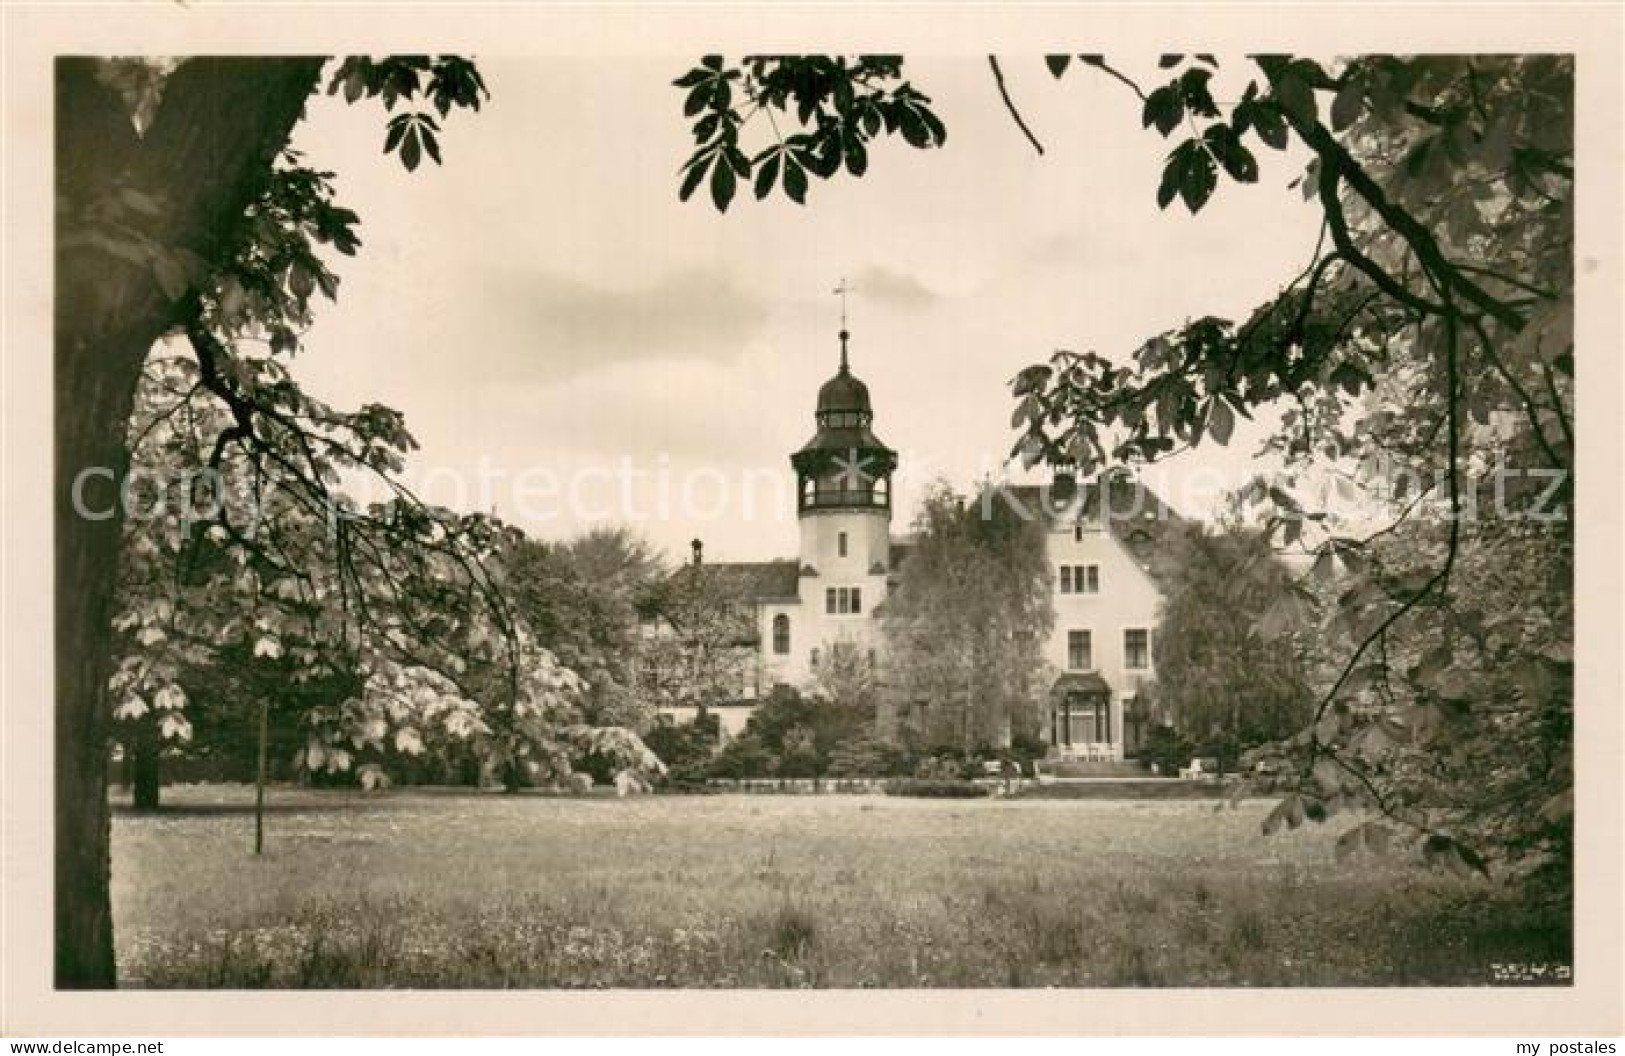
pixel 1085 718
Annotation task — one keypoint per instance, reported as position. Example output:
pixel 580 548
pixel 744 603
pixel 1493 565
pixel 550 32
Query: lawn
pixel 457 889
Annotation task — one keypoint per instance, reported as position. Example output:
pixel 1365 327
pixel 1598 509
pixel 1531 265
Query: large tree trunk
pixel 86 568
pixel 207 152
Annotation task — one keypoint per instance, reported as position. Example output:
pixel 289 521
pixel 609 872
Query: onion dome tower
pixel 844 483
pixel 844 466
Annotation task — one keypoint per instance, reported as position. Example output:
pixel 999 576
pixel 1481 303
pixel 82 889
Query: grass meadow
pixel 415 888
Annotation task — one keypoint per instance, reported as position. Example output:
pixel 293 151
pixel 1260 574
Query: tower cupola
pixel 844 466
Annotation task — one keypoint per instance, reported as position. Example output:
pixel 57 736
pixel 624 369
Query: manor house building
pixel 1100 540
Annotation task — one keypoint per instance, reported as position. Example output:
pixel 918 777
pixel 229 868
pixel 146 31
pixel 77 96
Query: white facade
pixel 1105 623
pixel 1105 599
pixel 845 562
pixel 1105 620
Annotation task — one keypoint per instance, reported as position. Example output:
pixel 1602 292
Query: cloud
pixel 550 327
pixel 894 288
pixel 1055 248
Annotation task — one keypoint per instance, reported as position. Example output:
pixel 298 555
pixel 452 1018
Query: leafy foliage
pixel 841 105
pixel 1429 348
pixel 1166 749
pixel 581 598
pixel 800 734
pixel 1225 680
pixel 867 756
pixel 848 676
pixel 246 576
pixel 703 640
pixel 965 624
pixel 446 81
pixel 686 747
pixel 259 555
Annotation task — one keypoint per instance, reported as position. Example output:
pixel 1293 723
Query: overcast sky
pixel 544 305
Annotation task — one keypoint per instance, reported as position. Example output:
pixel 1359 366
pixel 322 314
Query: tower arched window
pixel 781 634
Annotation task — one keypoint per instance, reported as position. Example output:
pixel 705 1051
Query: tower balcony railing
pixel 827 498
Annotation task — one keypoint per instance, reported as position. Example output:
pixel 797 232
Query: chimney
pixel 699 551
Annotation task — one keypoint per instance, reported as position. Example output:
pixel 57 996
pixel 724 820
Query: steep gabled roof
pixel 748 581
pixel 1132 512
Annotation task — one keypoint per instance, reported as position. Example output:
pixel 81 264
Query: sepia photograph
pixel 709 519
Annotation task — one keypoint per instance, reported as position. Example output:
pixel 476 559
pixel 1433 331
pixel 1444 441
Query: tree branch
pixel 1335 163
pixel 1330 178
pixel 1100 64
pixel 1563 422
pixel 1529 409
pixel 1009 104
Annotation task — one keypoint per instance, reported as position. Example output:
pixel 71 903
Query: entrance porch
pixel 1081 720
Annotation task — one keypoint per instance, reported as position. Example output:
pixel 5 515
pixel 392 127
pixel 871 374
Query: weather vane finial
pixel 842 290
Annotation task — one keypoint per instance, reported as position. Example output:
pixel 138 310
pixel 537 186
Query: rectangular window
pixel 840 544
pixel 843 601
pixel 1080 652
pixel 1080 579
pixel 1137 649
